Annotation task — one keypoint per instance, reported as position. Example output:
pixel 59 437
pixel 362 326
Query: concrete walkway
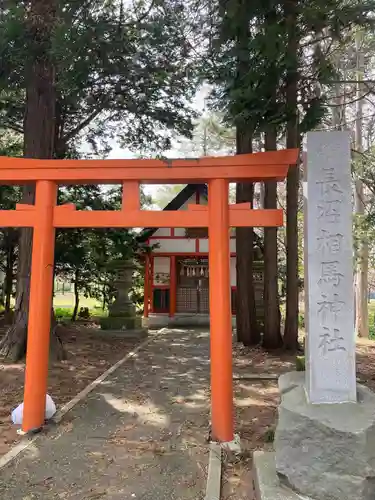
pixel 141 434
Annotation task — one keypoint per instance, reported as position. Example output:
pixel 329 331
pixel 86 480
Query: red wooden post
pixel 44 218
pixel 147 288
pixel 173 287
pixel 151 309
pixel 130 196
pixel 41 287
pixel 220 312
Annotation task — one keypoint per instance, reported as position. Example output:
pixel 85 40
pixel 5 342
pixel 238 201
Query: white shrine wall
pixel 204 245
pixel 174 241
pixel 162 268
pixel 179 231
pixel 162 231
pixel 173 245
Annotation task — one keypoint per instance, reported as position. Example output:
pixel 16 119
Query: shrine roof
pixel 178 201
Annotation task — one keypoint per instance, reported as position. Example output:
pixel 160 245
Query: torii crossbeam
pixel 45 216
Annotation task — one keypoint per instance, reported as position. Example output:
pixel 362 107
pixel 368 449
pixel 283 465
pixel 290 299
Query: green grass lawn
pixel 371 310
pixel 371 317
pixel 63 304
pixel 67 300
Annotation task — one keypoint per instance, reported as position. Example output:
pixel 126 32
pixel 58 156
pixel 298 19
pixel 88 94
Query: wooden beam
pixel 160 175
pixel 16 218
pixel 65 216
pixel 203 208
pixel 280 157
pixel 159 218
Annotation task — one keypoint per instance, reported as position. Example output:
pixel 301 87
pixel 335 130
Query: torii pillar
pixel 44 217
pixel 220 312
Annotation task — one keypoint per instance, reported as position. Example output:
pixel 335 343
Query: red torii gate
pixel 45 216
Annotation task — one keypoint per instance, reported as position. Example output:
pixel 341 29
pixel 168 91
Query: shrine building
pixel 176 271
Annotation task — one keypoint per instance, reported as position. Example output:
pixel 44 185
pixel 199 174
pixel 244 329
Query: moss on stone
pixel 300 364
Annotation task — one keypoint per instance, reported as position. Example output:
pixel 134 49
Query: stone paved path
pixel 141 434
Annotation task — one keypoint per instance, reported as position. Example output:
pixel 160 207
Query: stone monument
pixel 325 437
pixel 330 353
pixel 122 319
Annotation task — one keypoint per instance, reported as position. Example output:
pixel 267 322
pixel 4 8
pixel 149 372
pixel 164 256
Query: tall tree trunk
pixel 292 140
pixel 361 292
pixel 246 322
pixel 338 110
pixel 76 296
pixel 39 132
pixel 272 335
pixel 10 260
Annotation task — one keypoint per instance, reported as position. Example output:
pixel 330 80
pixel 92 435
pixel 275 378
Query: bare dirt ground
pixel 142 433
pixel 256 408
pixel 255 400
pixel 88 356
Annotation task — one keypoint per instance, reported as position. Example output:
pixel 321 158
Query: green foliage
pixel 364 225
pixel 63 313
pixel 10 143
pixel 301 320
pixel 123 70
pixel 252 59
pixel 211 137
pixel 166 193
pixel 9 196
pixel 66 313
pixel 269 435
pixel 300 364
pixel 83 256
pixel 371 307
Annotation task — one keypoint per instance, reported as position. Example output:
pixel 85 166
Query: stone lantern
pixel 122 313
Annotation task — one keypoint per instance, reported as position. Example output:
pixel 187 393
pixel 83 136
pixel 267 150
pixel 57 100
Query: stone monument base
pixel 132 334
pixel 267 485
pixel 121 323
pixel 325 451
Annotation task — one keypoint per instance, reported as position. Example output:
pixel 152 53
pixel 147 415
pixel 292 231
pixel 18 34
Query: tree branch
pixel 82 125
pixel 13 127
pixel 140 19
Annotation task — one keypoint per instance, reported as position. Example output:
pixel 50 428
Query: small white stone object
pixel 233 446
pixel 17 413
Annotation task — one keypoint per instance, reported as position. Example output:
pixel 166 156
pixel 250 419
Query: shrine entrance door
pixel 192 286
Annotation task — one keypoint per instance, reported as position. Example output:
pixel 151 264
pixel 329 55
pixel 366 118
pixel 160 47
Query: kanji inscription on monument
pixel 330 356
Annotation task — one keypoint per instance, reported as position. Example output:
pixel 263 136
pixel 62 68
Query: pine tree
pixel 39 136
pixel 92 72
pixel 284 82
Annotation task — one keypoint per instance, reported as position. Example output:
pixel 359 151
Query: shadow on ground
pixel 141 434
pixel 88 356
